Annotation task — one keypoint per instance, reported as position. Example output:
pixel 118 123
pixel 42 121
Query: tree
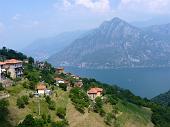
pixel 109 119
pixel 30 60
pixel 63 86
pixel 28 122
pixel 1 87
pixel 51 105
pixel 79 99
pixel 3 108
pixel 20 103
pixel 25 98
pixel 61 112
pixel 98 104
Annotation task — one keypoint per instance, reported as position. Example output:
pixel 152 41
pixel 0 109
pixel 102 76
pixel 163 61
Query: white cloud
pixel 16 17
pixel 97 5
pixel 147 6
pixel 66 3
pixel 93 5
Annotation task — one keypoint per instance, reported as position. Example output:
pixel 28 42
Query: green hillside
pixel 163 99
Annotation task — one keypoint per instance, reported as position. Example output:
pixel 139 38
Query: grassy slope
pixel 130 115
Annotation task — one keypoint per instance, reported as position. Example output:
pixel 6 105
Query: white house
pixel 59 81
pixel 41 88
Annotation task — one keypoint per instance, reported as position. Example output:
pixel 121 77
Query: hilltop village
pixel 35 94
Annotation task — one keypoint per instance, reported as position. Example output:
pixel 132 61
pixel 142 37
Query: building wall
pixel 41 91
pixel 0 72
pixel 93 96
pixel 15 70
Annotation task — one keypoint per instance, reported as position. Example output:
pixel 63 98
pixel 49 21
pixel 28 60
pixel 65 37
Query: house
pixel 78 83
pixel 48 92
pixel 40 64
pixel 41 88
pixel 1 70
pixel 94 92
pixel 60 70
pixel 59 81
pixel 12 67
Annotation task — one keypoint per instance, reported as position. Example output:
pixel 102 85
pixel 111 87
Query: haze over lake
pixel 145 82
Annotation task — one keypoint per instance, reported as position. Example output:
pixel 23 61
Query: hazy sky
pixel 22 21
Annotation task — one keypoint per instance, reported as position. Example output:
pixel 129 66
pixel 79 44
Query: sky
pixel 23 21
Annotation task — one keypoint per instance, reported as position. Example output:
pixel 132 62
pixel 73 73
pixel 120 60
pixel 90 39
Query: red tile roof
pixel 57 79
pixel 2 63
pixel 12 61
pixel 41 86
pixel 95 90
pixel 60 68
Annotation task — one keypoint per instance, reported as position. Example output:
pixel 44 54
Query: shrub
pixel 51 105
pixel 79 99
pixel 109 119
pixel 48 99
pixel 63 86
pixel 1 87
pixel 61 112
pixel 20 103
pixel 98 105
pixel 25 98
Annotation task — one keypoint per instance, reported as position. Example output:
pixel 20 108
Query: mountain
pixel 42 48
pixel 114 44
pixel 160 32
pixel 163 99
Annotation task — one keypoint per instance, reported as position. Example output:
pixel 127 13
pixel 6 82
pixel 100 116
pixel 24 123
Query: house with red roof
pixel 95 92
pixel 60 70
pixel 41 88
pixel 13 67
pixel 59 81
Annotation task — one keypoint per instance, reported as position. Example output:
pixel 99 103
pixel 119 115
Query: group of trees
pixel 22 101
pixel 44 121
pixel 6 53
pixel 51 103
pixel 79 99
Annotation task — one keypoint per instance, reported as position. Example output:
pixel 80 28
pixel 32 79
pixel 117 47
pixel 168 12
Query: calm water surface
pixel 145 82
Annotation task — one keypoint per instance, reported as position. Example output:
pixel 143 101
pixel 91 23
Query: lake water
pixel 145 82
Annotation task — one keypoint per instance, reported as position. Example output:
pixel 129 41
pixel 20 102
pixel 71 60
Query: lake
pixel 145 82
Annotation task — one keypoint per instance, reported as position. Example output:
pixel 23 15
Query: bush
pixel 25 98
pixel 109 119
pixel 20 103
pixel 102 113
pixel 62 123
pixel 31 95
pixel 79 99
pixel 98 104
pixel 1 87
pixel 61 112
pixel 48 99
pixel 63 86
pixel 51 105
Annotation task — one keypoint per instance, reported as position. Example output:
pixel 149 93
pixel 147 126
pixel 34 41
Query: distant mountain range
pixel 163 99
pixel 117 44
pixel 42 48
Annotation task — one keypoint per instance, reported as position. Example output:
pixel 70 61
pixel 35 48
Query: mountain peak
pixel 117 19
pixel 113 22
